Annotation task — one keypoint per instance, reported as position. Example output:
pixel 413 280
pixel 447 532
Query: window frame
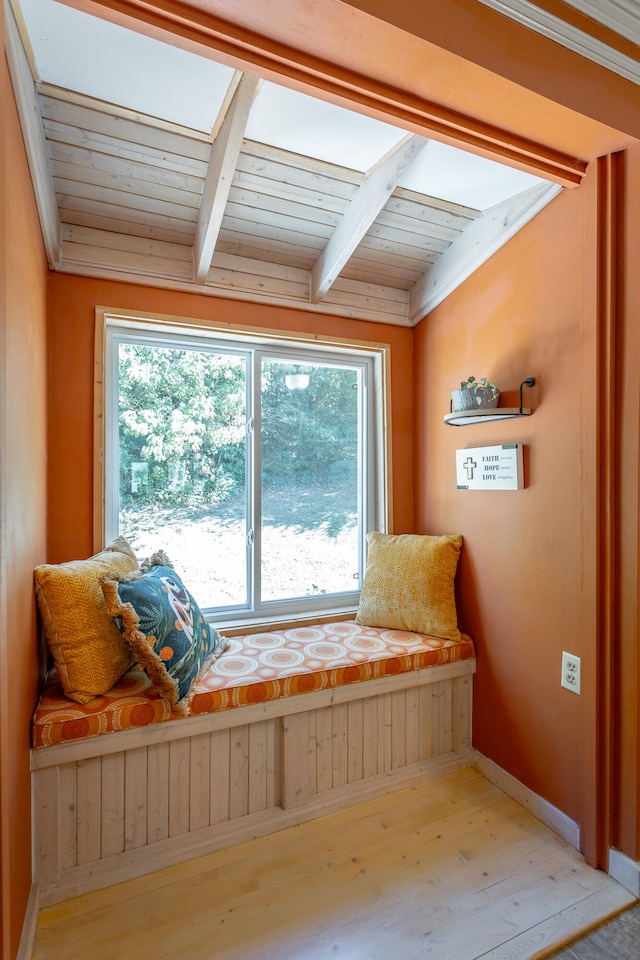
pixel 373 357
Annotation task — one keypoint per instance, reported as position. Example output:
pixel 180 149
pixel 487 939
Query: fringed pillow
pixel 409 584
pixel 165 629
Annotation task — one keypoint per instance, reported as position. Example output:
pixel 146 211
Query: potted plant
pixel 475 395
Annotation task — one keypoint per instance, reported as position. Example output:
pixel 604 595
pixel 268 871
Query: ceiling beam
pixel 368 201
pixel 222 165
pixel 194 26
pixel 474 246
pixel 33 136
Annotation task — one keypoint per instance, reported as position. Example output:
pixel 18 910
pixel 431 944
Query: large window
pixel 254 463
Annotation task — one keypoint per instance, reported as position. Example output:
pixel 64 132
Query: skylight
pixel 299 123
pixel 102 60
pixel 91 56
pixel 450 174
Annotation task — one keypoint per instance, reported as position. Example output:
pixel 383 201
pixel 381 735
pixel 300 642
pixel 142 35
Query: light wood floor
pixel 449 870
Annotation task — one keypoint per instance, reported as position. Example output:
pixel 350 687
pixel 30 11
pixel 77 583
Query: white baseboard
pixel 544 811
pixel 25 950
pixel 625 870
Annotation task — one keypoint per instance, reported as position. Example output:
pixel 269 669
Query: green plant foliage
pixel 182 424
pixel 474 386
pixel 183 431
pixel 311 435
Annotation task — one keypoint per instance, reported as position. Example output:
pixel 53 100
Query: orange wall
pixel 522 579
pixel 22 508
pixel 71 310
pixel 556 566
pixel 481 36
pixel 627 734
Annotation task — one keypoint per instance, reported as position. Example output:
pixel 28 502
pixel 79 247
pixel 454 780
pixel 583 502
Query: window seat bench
pixel 285 726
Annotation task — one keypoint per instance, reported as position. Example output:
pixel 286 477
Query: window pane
pixel 309 481
pixel 182 464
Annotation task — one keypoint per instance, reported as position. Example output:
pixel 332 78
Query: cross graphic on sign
pixel 469 466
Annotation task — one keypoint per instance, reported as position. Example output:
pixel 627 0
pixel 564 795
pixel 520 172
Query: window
pixel 254 462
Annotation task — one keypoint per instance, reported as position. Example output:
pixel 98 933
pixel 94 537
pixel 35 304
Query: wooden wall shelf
pixel 462 418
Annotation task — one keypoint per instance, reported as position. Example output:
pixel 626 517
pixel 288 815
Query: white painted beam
pixel 475 245
pixel 367 203
pixel 34 139
pixel 222 165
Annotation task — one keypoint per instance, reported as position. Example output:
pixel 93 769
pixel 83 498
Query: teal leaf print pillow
pixel 166 630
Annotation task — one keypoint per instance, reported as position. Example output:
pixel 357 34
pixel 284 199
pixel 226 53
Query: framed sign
pixel 490 468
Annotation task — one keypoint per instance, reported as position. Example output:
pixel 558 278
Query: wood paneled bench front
pixel 286 726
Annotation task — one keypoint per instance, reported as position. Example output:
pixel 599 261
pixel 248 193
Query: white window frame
pixel 372 358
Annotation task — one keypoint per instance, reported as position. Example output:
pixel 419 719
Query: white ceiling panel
pixel 449 174
pixel 300 124
pixel 92 56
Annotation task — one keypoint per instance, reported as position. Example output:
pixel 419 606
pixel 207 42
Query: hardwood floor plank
pixel 452 869
pixel 562 927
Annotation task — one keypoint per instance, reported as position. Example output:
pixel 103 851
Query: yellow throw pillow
pixel 409 584
pixel 87 648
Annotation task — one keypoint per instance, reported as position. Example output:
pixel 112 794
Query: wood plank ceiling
pixel 126 195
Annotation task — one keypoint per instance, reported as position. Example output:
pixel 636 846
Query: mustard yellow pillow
pixel 409 584
pixel 87 647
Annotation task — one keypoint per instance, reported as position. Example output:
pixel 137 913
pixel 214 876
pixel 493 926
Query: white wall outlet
pixel 570 678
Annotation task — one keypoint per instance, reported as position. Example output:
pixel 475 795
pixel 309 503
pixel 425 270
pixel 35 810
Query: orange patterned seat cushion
pixel 256 668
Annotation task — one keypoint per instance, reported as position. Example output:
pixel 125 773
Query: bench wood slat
pixel 158 792
pixel 113 808
pixel 219 777
pixel 179 769
pixel 89 826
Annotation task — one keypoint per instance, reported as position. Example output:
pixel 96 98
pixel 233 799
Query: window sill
pixel 237 628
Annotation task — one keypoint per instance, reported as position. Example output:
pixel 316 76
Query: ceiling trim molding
pixel 610 21
pixel 245 49
pixel 222 165
pixel 367 203
pixel 33 135
pixel 533 17
pixel 475 246
pixel 126 113
pixel 338 310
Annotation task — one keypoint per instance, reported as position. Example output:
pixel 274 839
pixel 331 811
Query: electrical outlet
pixel 570 678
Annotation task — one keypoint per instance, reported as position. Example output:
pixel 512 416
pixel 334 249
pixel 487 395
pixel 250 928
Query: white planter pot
pixel 479 399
